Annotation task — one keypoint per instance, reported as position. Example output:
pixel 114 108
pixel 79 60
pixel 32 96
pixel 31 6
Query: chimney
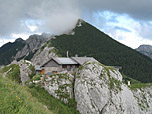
pixel 76 55
pixel 67 54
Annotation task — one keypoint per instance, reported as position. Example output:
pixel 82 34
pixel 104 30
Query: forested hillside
pixel 89 41
pixel 9 50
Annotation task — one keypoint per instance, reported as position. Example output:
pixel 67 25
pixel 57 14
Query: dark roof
pixel 71 61
pixel 62 61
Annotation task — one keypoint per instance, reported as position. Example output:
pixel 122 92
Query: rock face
pixel 60 86
pixel 33 43
pixel 99 90
pixel 144 98
pixel 42 56
pixel 25 70
pixel 146 50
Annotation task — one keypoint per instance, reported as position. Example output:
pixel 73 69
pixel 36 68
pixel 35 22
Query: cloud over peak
pixel 55 16
pixel 60 16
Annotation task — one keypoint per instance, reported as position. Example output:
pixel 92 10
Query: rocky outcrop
pixel 99 89
pixel 60 86
pixel 25 70
pixel 146 50
pixel 43 55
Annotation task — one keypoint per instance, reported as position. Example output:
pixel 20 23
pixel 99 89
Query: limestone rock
pixel 99 90
pixel 146 50
pixel 25 70
pixel 43 55
pixel 144 98
pixel 60 86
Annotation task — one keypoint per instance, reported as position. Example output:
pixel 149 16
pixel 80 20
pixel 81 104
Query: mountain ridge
pixel 33 43
pixel 9 50
pixel 89 41
pixel 20 48
pixel 86 40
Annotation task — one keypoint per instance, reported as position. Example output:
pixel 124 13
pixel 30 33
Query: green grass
pixel 134 83
pixel 54 50
pixel 52 103
pixel 42 48
pixel 31 67
pixel 139 85
pixel 16 99
pixel 37 77
pixel 13 72
pixel 127 78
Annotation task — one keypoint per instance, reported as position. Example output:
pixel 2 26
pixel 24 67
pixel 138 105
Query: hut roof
pixel 82 60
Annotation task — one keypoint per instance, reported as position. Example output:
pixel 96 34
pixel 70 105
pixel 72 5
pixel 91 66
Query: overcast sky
pixel 127 21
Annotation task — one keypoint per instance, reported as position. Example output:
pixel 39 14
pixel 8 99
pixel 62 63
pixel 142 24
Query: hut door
pixel 42 72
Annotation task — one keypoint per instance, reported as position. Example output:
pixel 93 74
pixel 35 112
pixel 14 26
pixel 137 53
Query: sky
pixel 127 21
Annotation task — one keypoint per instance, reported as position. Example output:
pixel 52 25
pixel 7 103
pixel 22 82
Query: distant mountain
pixel 33 43
pixel 9 50
pixel 21 49
pixel 87 40
pixel 146 50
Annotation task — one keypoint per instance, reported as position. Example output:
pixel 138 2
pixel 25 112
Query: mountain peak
pixel 79 23
pixel 81 20
pixel 19 40
pixel 145 49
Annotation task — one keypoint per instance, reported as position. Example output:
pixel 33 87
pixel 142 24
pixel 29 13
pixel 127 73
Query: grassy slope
pixel 134 83
pixel 89 41
pixel 13 72
pixel 52 103
pixel 15 99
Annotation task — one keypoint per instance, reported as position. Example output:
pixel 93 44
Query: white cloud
pixel 57 17
pixel 23 36
pixel 130 39
pixel 4 41
pixel 13 38
pixel 32 28
pixel 38 16
pixel 139 34
pixel 125 29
